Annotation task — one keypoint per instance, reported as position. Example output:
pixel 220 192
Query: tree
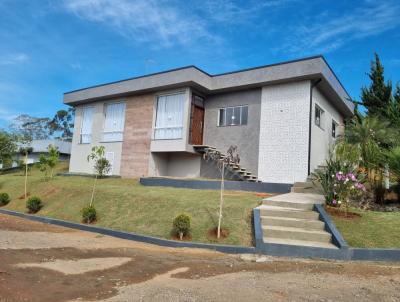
pixel 394 164
pixel 25 151
pixel 394 108
pixel 63 123
pixel 29 128
pixel 42 164
pixel 101 166
pixel 52 159
pixel 372 137
pixel 7 147
pixel 377 97
pixel 49 161
pixel 232 158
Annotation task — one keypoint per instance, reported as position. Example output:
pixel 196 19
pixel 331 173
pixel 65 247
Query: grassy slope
pixel 123 204
pixel 371 230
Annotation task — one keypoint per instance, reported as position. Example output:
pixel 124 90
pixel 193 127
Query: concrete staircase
pixel 238 171
pixel 290 219
pixel 309 186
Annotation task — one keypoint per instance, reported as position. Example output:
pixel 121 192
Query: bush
pixel 34 204
pixel 89 214
pixel 4 199
pixel 181 225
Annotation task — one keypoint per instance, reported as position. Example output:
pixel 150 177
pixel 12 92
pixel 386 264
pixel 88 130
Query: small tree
pixel 25 151
pixel 101 166
pixel 7 147
pixel 42 165
pixel 52 159
pixel 232 158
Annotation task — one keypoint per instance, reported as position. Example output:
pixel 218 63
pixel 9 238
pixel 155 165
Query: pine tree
pixel 378 96
pixel 394 108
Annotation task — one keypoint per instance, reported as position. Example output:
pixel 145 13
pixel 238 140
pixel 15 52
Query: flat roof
pixel 315 67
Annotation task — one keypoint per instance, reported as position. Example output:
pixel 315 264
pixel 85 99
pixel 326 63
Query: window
pixel 86 126
pixel 319 116
pixel 169 119
pixel 233 116
pixel 334 128
pixel 114 122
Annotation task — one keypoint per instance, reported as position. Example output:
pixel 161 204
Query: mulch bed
pixel 341 213
pixel 187 237
pixel 212 233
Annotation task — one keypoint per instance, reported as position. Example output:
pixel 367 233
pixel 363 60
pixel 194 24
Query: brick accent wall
pixel 283 155
pixel 137 135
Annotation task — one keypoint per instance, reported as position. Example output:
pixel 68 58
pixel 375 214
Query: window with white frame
pixel 86 126
pixel 319 116
pixel 114 122
pixel 334 128
pixel 233 116
pixel 169 116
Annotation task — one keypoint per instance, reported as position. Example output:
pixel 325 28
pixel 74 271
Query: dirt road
pixel 40 262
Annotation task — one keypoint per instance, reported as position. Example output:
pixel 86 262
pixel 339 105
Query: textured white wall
pixel 284 131
pixel 79 152
pixel 321 137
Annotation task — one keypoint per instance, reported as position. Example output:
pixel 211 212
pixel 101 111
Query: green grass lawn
pixel 371 230
pixel 124 204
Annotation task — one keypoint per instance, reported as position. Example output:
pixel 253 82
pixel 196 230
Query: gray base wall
pixel 215 185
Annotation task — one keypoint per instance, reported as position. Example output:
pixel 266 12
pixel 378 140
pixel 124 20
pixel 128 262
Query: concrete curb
pixel 282 250
pixel 216 185
pixel 330 227
pixel 229 249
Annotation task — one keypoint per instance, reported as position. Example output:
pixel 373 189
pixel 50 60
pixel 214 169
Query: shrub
pixel 4 199
pixel 34 204
pixel 89 214
pixel 181 225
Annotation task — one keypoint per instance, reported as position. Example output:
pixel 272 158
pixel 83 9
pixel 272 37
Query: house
pixel 282 117
pixel 39 146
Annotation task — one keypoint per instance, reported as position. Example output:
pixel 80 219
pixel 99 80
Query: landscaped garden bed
pixel 124 204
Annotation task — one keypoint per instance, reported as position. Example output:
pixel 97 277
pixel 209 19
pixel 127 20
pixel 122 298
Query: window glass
pixel 236 116
pixel 230 118
pixel 86 127
pixel 244 115
pixel 169 120
pixel 114 122
pixel 318 116
pixel 334 129
pixel 222 121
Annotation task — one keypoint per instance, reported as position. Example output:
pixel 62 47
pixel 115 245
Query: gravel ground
pixel 40 262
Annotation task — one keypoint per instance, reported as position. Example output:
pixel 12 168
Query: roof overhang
pixel 313 68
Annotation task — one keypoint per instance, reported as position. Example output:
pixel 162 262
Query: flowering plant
pixel 345 185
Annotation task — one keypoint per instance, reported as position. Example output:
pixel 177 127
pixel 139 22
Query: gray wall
pixel 175 164
pixel 246 137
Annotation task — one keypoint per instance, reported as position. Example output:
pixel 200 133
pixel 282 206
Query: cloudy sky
pixel 48 47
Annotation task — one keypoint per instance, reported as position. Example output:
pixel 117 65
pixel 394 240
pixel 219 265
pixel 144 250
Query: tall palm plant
pixel 372 138
pixel 394 164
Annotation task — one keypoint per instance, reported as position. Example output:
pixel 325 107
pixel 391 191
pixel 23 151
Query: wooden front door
pixel 197 124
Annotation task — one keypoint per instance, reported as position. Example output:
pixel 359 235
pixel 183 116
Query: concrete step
pixel 307 224
pixel 306 190
pixel 288 204
pixel 275 211
pixel 300 242
pixel 296 234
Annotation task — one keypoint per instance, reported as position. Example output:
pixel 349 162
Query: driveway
pixel 40 262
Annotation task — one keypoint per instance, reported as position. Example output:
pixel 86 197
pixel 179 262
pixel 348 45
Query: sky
pixel 48 47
